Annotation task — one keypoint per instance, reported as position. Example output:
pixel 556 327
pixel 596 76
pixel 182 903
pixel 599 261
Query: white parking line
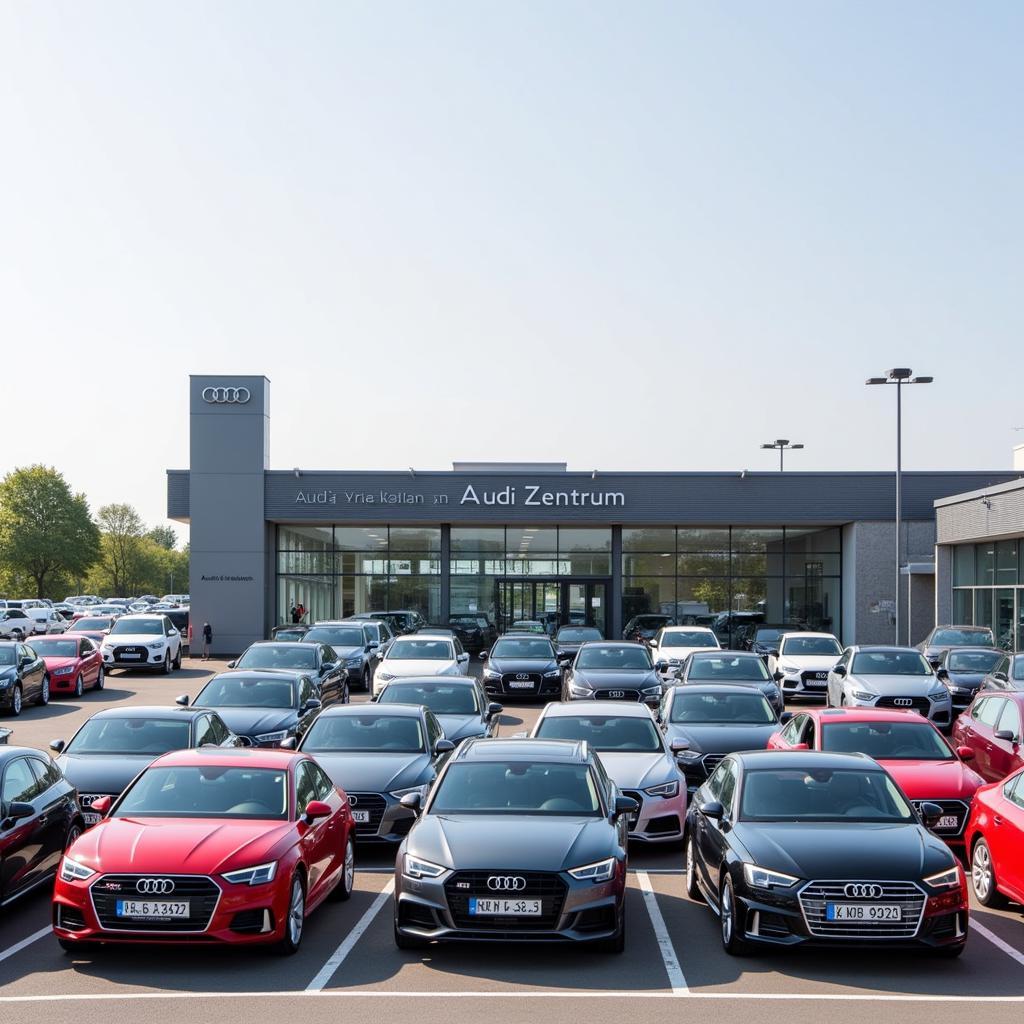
pixel 675 974
pixel 337 958
pixel 19 946
pixel 1015 954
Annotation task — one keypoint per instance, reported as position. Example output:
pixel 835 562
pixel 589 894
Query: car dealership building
pixel 539 542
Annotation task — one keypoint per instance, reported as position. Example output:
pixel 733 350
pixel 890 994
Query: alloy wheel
pixel 16 701
pixel 44 692
pixel 981 872
pixel 350 866
pixel 79 687
pixel 296 912
pixel 726 915
pixel 99 679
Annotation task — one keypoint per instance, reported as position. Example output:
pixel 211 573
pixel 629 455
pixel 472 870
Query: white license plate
pixel 506 908
pixel 130 657
pixel 90 817
pixel 864 912
pixel 361 817
pixel 152 908
pixel 815 684
pixel 948 821
pixel 520 686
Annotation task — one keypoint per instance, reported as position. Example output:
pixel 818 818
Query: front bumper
pixel 543 687
pixel 150 659
pixel 389 821
pixel 796 686
pixel 940 712
pixel 660 819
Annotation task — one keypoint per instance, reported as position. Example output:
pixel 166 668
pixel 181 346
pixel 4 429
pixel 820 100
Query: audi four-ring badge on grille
pixel 154 886
pixel 506 883
pixel 226 396
pixel 863 891
pixel 903 702
pixel 522 675
pixel 616 694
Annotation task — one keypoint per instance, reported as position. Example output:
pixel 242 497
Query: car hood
pixel 606 679
pixel 895 686
pixel 120 639
pixel 179 846
pixel 958 678
pixel 521 842
pixel 459 727
pixel 637 770
pixel 376 772
pixel 893 852
pixel 256 721
pixel 103 773
pixel 424 667
pixel 808 662
pixel 934 780
pixel 54 663
pixel 522 665
pixel 721 739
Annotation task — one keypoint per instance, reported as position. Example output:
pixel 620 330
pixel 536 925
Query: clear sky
pixel 630 236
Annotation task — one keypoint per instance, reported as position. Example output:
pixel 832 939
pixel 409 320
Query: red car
pixel 95 627
pixel 220 846
pixel 991 727
pixel 73 662
pixel 908 746
pixel 995 837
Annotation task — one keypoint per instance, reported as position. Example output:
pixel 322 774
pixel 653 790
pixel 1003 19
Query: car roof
pixel 687 629
pixel 396 710
pixel 954 625
pixel 160 711
pixel 710 687
pixel 881 648
pixel 808 759
pixel 232 757
pixel 590 644
pixel 279 643
pixel 572 751
pixel 610 709
pixel 260 673
pixel 825 715
pixel 977 650
pixel 709 652
pixel 806 634
pixel 434 681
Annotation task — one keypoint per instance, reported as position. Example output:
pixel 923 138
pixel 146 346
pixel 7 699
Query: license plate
pixel 864 912
pixel 90 817
pixel 130 657
pixel 820 675
pixel 816 684
pixel 361 817
pixel 948 821
pixel 152 908
pixel 520 685
pixel 506 908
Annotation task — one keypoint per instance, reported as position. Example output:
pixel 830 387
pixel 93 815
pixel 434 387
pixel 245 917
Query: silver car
pixel 890 677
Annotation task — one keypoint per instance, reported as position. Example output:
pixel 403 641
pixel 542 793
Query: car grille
pixel 710 762
pixel 815 895
pixel 464 885
pixel 811 678
pixel 619 694
pixel 141 653
pixel 957 807
pixel 201 892
pixel 922 705
pixel 375 804
pixel 533 678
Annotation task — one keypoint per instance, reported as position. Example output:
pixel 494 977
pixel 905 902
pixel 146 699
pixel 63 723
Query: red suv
pixel 991 727
pixel 995 837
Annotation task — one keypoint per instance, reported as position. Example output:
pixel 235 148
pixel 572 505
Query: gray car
pixel 731 668
pixel 944 638
pixel 519 840
pixel 458 702
pixel 613 671
pixel 890 677
pixel 352 646
pixel 378 754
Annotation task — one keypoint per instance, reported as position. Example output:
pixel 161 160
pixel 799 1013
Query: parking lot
pixel 348 955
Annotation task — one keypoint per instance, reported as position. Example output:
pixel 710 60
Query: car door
pixel 21 841
pixel 789 736
pixel 328 793
pixel 91 661
pixel 204 733
pixel 51 802
pixel 330 681
pixel 306 714
pixel 716 833
pixel 1005 755
pixel 33 670
pixel 1007 836
pixel 983 717
pixel 316 836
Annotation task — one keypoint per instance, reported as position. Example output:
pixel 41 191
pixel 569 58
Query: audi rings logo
pixel 902 702
pixel 863 891
pixel 226 396
pixel 616 694
pixel 522 675
pixel 353 800
pixel 154 886
pixel 506 883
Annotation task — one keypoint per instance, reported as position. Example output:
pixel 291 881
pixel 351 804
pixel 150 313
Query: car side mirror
pixel 934 662
pixel 102 805
pixel 1001 676
pixel 18 810
pixel 181 700
pixel 661 666
pixel 840 670
pixel 412 801
pixel 1004 734
pixel 372 646
pixel 493 710
pixel 483 655
pixel 712 809
pixel 443 747
pixel 57 746
pixel 312 704
pixel 625 805
pixel 315 810
pixel 931 814
pixel 786 716
pixel 942 674
pixel 288 744
pixel 563 659
pixel 231 664
pixel 244 741
pixel 328 666
pixel 462 658
pixel 778 676
pixel 677 746
pixel 965 753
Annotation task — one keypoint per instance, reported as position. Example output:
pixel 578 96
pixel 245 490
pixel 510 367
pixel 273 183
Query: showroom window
pixel 988 589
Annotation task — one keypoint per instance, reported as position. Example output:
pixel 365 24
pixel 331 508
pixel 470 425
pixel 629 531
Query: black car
pixel 942 638
pixel 643 627
pixel 180 620
pixel 1008 674
pixel 476 623
pixel 522 665
pixel 569 639
pixel 519 840
pixel 317 659
pixel 458 702
pixel 23 677
pixel 614 671
pixel 736 668
pixel 711 720
pixel 114 745
pixel 763 638
pixel 265 707
pixel 354 646
pixel 40 820
pixel 468 633
pixel 811 848
pixel 289 632
pixel 966 669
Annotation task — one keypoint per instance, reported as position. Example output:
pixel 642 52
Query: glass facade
pixel 988 589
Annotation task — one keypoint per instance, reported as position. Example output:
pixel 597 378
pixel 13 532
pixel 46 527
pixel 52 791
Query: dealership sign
pixel 226 396
pixel 527 495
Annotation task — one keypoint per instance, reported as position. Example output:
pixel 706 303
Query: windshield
pixel 290 634
pixel 722 709
pixel 230 691
pixel 136 627
pixel 278 656
pixel 889 741
pixel 965 637
pixel 517 787
pixel 577 634
pixel 603 733
pixel 150 736
pixel 523 649
pixel 692 638
pixel 390 734
pixel 46 648
pixel 768 634
pixel 890 663
pixel 973 661
pixel 421 650
pixel 811 647
pixel 822 794
pixel 729 669
pixel 207 791
pixel 82 624
pixel 613 658
pixel 7 656
pixel 336 636
pixel 441 698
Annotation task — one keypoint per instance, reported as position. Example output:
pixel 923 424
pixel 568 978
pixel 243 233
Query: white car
pixel 175 599
pixel 142 641
pixel 83 599
pixel 420 656
pixel 802 661
pixel 674 643
pixel 46 620
pixel 15 624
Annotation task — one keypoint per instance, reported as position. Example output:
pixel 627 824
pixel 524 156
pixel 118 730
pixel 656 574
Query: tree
pixel 121 545
pixel 46 532
pixel 164 536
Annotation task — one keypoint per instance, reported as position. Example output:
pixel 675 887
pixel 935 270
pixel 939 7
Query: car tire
pixel 408 941
pixel 167 664
pixel 692 888
pixel 16 701
pixel 294 924
pixel 346 695
pixel 44 692
pixel 79 686
pixel 366 681
pixel 98 685
pixel 177 659
pixel 73 833
pixel 728 913
pixel 343 890
pixel 17 635
pixel 983 877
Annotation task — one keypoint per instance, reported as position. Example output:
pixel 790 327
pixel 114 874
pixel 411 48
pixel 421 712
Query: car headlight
pixel 414 867
pixel 258 875
pixel 65 671
pixel 948 879
pixel 355 662
pixel 764 878
pixel 789 669
pixel 939 693
pixel 652 691
pixel 72 871
pixel 385 676
pixel 399 793
pixel 553 674
pixel 861 695
pixel 666 789
pixel 489 673
pixel 272 737
pixel 689 756
pixel 157 646
pixel 600 871
pixel 579 690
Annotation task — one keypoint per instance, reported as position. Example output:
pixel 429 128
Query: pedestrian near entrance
pixel 294 613
pixel 207 640
pixel 302 612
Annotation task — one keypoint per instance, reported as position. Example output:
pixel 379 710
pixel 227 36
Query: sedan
pixel 23 677
pixel 351 645
pixel 519 841
pixel 569 639
pixel 41 819
pixel 235 847
pixel 458 702
pixel 890 677
pixel 809 848
pixel 763 637
pixel 800 663
pixel 319 660
pixel 995 837
pixel 521 666
pixel 966 670
pixel 991 727
pixel 379 754
pixel 73 663
pixel 614 671
pixel 636 756
pixel 731 668
pixel 673 643
pixel 420 656
pixel 944 638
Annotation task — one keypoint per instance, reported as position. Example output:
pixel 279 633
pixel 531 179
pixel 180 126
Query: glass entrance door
pixel 553 603
pixel 1003 624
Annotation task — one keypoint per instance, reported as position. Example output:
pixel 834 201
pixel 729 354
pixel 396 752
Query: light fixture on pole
pixel 782 445
pixel 899 376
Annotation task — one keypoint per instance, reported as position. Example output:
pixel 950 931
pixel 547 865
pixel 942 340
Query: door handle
pixel 996 820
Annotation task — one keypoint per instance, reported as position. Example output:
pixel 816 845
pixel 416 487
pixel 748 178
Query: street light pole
pixel 783 445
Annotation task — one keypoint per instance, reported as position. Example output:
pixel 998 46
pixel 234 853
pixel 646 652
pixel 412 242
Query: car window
pixel 990 711
pixel 369 732
pixel 745 707
pixel 443 698
pixel 728 787
pixel 1014 790
pixel 221 733
pixel 1010 718
pixel 728 668
pixel 237 690
pixel 305 690
pixel 714 784
pixel 434 730
pixel 20 782
pixel 408 649
pixel 321 781
pixel 204 731
pixel 972 661
pixel 305 787
pixel 50 773
pixel 613 658
pixel 789 734
pixel 603 732
pixel 810 646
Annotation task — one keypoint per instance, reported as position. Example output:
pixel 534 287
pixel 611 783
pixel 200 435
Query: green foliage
pixel 164 536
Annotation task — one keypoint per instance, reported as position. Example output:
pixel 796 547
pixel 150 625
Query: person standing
pixel 302 611
pixel 207 640
pixel 294 614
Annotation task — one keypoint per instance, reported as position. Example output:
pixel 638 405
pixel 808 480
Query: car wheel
pixel 295 919
pixel 15 709
pixel 167 664
pixel 346 695
pixel 17 635
pixel 44 692
pixel 99 679
pixel 177 659
pixel 729 915
pixel 408 941
pixel 343 890
pixel 366 680
pixel 692 888
pixel 79 686
pixel 73 833
pixel 983 877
